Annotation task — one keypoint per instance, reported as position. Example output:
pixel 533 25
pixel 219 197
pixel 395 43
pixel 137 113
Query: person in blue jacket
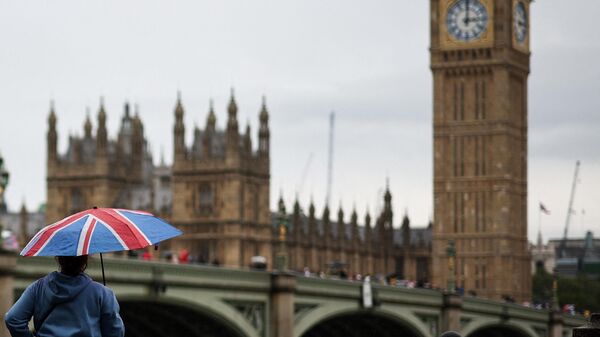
pixel 66 303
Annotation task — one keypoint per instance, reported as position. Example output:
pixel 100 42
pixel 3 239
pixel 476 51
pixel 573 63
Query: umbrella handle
pixel 102 264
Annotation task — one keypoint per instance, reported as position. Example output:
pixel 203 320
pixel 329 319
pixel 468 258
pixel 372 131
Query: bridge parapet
pixel 262 304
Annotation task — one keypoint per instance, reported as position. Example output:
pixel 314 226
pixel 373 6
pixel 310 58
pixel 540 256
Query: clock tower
pixel 480 63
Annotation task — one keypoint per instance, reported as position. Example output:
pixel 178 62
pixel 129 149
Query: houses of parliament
pixel 218 188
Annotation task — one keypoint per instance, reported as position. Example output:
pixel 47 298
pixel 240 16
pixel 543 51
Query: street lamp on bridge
pixel 451 254
pixel 282 221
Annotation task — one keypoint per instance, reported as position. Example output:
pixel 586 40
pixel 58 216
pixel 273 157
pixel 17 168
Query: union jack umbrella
pixel 100 230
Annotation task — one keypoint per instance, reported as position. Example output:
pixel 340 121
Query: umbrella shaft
pixel 102 264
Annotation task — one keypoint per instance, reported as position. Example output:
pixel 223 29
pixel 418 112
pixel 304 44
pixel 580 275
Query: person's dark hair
pixel 72 265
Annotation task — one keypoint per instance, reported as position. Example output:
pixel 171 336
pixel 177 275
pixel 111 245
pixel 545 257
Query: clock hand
pixel 467 18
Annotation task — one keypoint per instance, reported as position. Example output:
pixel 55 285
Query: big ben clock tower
pixel 480 63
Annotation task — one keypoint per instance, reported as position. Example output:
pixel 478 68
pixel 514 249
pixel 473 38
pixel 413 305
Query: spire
pixel 264 113
pixel 388 195
pixel 326 225
pixel 87 126
pixel 354 222
pixel 248 140
pixel 340 213
pixel 368 230
pixel 24 219
pixel 178 106
pixel 179 130
pixel 101 134
pixel 281 204
pixel 211 120
pixel 341 226
pixel 233 136
pixel 52 116
pixel 232 113
pixel 52 137
pixel 209 130
pixel 263 131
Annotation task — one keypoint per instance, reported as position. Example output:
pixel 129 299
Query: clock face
pixel 467 20
pixel 520 22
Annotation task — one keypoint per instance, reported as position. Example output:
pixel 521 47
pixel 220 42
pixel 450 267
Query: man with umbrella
pixel 69 303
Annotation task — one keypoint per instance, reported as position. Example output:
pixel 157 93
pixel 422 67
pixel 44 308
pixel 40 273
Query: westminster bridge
pixel 162 299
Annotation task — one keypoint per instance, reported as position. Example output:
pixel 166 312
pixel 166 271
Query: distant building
pixel 577 256
pixel 217 191
pixel 569 257
pixel 542 256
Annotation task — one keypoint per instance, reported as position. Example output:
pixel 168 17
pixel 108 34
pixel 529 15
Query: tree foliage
pixel 582 291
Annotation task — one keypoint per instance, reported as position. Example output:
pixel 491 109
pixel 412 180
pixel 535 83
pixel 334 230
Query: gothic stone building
pixel 217 191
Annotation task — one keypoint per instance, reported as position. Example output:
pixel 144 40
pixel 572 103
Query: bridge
pixel 162 299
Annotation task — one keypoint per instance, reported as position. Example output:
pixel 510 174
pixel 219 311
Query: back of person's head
pixel 72 265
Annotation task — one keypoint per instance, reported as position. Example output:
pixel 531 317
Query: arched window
pixel 206 199
pixel 77 201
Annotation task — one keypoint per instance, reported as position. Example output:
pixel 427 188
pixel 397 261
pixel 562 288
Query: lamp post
pixel 451 254
pixel 555 305
pixel 282 220
pixel 3 183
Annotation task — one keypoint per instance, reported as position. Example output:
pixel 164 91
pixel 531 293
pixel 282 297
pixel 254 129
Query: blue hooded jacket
pixel 73 306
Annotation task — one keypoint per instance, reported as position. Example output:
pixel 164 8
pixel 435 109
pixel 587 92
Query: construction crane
pixel 569 211
pixel 330 158
pixel 300 187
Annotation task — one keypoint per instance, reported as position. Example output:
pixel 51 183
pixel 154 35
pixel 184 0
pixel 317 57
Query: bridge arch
pixel 326 321
pixel 495 329
pixel 144 316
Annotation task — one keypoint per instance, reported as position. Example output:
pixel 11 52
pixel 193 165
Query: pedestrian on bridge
pixel 66 303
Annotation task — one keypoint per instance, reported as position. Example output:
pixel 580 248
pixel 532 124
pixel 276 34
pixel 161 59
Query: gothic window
pixel 77 201
pixel 206 199
pixel 458 152
pixel 400 267
pixel 422 269
pixel 462 101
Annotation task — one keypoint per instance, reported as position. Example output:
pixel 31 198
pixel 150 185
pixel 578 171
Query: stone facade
pixel 480 147
pixel 375 248
pixel 96 171
pixel 221 189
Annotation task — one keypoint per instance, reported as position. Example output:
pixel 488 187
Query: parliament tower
pixel 480 64
pixel 220 189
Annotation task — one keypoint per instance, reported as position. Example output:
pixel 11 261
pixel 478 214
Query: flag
pixel 544 209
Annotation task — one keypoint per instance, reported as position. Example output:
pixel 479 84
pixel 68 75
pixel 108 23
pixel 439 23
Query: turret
pixel 179 131
pixel 209 131
pixel 341 227
pixel 233 135
pixel 137 143
pixel 87 126
pixel 248 142
pixel 405 232
pixel 326 226
pixel 368 232
pixel 354 223
pixel 52 134
pixel 263 131
pixel 297 230
pixel 312 223
pixel 24 219
pixel 101 135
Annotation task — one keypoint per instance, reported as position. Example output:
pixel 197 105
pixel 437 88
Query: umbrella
pixel 100 230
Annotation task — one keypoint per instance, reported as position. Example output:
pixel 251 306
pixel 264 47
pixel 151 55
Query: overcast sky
pixel 367 60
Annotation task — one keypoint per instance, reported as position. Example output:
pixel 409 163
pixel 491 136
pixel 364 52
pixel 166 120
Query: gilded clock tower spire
pixel 480 64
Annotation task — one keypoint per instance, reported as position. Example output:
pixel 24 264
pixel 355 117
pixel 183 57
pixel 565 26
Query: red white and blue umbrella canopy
pixel 100 230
